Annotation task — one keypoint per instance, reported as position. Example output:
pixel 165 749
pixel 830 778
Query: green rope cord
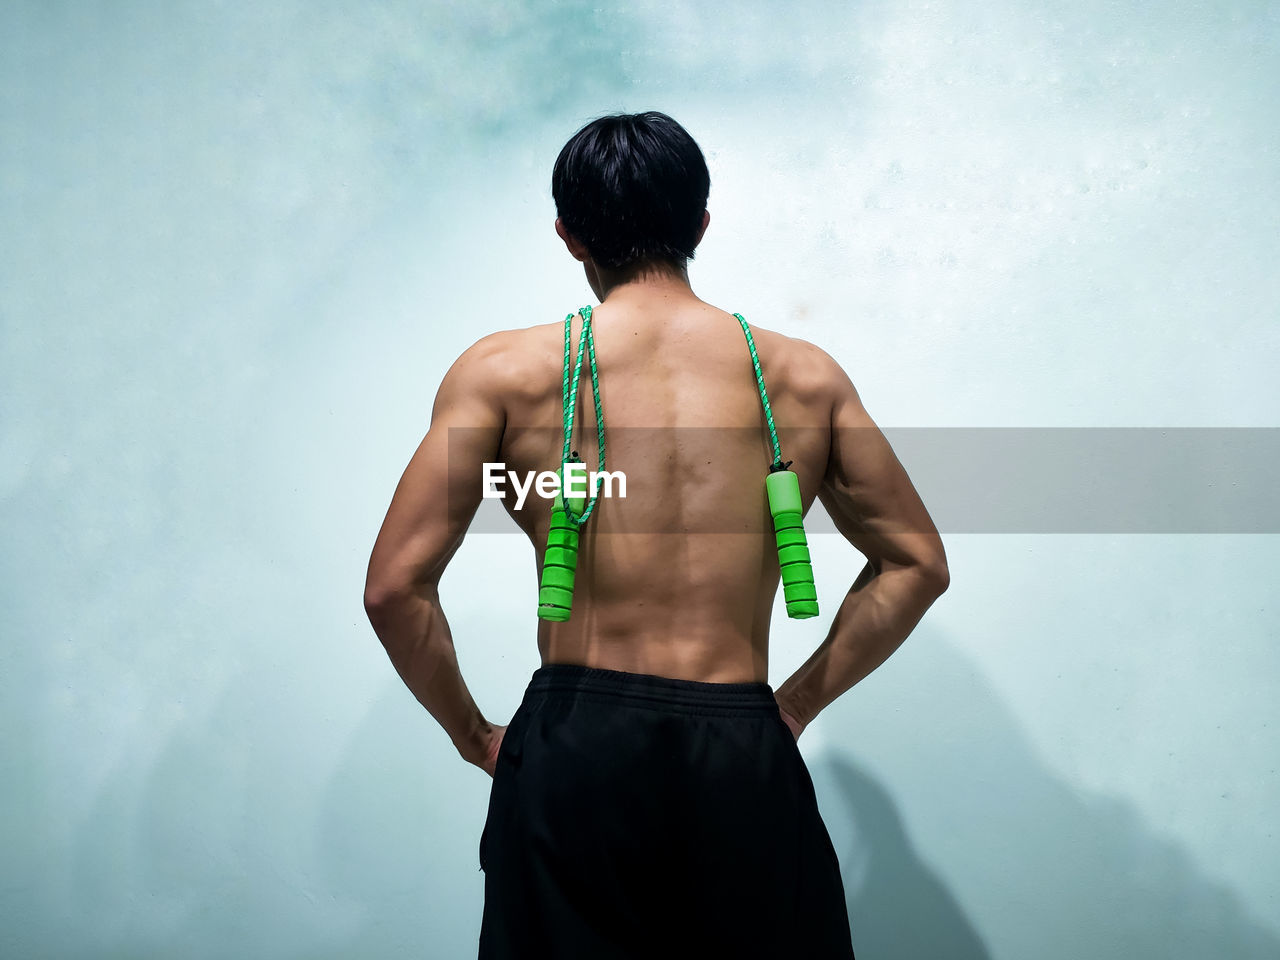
pixel 570 399
pixel 764 396
pixel 587 339
pixel 595 392
pixel 565 411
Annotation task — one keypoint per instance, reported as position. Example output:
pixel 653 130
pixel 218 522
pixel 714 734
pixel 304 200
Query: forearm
pixel 877 615
pixel 415 634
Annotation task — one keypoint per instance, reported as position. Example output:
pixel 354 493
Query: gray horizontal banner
pixel 994 479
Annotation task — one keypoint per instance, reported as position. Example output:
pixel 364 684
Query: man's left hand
pixel 490 761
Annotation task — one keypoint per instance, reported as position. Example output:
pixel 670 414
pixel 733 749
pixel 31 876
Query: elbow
pixel 378 598
pixel 937 575
pixel 381 597
pixel 374 599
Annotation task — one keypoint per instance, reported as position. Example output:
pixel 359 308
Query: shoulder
pixel 502 367
pixel 478 365
pixel 815 360
pixel 496 359
pixel 803 365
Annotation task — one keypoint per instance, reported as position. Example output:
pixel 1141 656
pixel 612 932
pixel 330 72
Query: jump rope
pixel 568 517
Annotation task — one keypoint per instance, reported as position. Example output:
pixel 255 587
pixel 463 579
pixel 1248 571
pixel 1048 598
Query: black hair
pixel 632 187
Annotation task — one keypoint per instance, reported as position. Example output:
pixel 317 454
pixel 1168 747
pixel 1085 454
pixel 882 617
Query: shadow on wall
pixel 222 844
pixel 398 835
pixel 898 908
pixel 1051 873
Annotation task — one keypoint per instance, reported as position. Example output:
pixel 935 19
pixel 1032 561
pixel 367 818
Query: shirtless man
pixel 645 801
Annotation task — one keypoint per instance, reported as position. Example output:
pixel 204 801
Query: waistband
pixel 574 681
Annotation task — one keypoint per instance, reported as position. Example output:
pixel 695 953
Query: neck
pixel 641 282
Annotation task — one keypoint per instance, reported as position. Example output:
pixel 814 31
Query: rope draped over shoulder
pixel 786 506
pixel 764 399
pixel 586 339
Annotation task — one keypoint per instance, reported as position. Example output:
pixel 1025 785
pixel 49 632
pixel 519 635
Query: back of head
pixel 632 188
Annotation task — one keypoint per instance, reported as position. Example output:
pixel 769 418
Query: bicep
pixel 867 491
pixel 441 488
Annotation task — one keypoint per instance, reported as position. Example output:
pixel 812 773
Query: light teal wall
pixel 239 245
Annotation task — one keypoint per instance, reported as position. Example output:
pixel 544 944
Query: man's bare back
pixel 678 578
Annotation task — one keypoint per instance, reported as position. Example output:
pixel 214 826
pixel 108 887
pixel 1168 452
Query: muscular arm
pixel 875 506
pixel 429 514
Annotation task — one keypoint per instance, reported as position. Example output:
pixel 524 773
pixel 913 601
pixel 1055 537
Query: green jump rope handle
pixel 783 488
pixel 559 564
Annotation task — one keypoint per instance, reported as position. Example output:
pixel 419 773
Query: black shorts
pixel 639 816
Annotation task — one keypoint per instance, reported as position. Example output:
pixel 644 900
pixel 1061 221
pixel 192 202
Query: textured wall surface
pixel 239 246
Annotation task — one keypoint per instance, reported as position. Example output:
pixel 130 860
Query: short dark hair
pixel 632 187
